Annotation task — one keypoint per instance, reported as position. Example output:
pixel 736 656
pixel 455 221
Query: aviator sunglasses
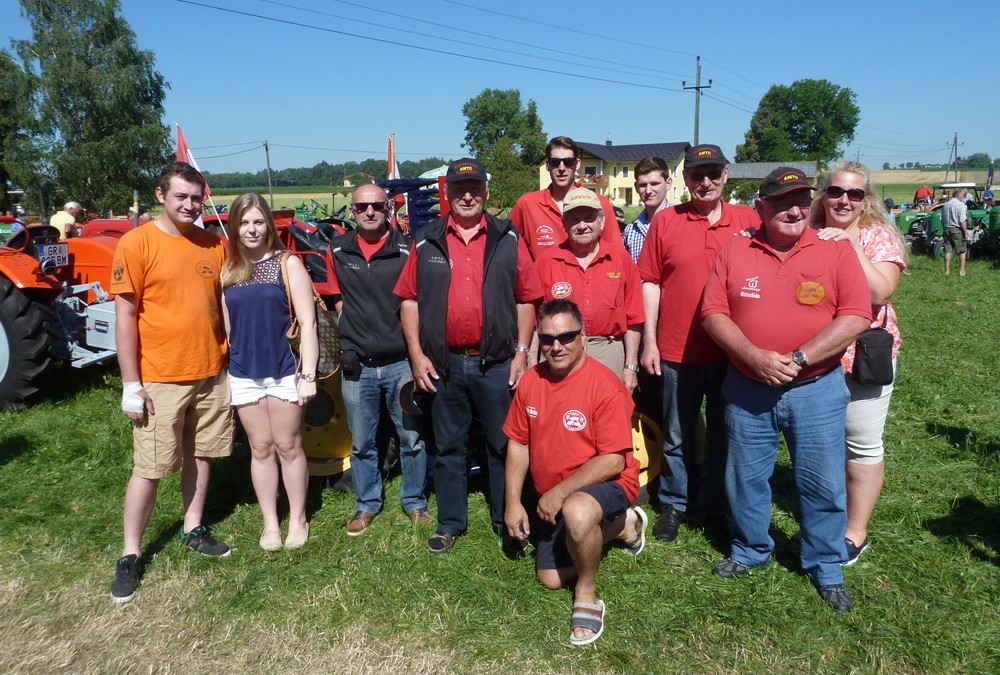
pixel 854 194
pixel 554 162
pixel 361 207
pixel 563 338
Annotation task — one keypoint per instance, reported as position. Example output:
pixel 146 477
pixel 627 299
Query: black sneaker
pixel 200 539
pixel 837 596
pixel 441 542
pixel 854 551
pixel 667 524
pixel 730 569
pixel 128 569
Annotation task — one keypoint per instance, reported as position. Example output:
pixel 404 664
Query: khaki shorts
pixel 954 240
pixel 189 415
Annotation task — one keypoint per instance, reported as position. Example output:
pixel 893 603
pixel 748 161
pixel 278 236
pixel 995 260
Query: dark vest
pixel 499 281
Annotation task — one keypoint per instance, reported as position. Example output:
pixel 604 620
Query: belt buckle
pixel 471 351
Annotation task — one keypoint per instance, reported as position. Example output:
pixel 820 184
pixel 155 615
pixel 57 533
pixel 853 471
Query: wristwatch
pixel 310 377
pixel 634 367
pixel 799 359
pixel 522 349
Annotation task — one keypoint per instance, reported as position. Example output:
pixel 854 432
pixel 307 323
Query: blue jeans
pixel 468 386
pixel 811 417
pixel 362 398
pixel 685 385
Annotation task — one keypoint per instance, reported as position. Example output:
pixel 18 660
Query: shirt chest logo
pixel 543 235
pixel 574 420
pixel 531 411
pixel 810 292
pixel 751 288
pixel 561 289
pixel 205 269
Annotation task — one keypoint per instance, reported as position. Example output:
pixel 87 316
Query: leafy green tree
pixel 977 160
pixel 885 166
pixel 510 177
pixel 16 125
pixel 806 120
pixel 99 102
pixel 498 114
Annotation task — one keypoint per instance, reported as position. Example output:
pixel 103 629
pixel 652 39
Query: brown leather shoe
pixel 359 522
pixel 420 516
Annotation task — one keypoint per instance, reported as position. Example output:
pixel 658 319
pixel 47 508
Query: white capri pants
pixel 866 415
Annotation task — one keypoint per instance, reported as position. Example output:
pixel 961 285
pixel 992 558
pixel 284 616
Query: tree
pixel 977 160
pixel 497 114
pixel 510 177
pixel 16 125
pixel 885 166
pixel 99 102
pixel 807 120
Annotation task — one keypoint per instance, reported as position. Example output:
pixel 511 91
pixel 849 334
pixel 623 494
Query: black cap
pixel 465 169
pixel 782 180
pixel 704 154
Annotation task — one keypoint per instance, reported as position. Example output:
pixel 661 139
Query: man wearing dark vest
pixel 469 292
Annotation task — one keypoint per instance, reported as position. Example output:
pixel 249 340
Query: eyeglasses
pixel 563 338
pixel 361 207
pixel 712 174
pixel 576 218
pixel 554 162
pixel 836 192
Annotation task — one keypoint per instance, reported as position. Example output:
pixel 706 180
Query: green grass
pixel 925 593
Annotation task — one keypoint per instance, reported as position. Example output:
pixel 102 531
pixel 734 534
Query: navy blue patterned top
pixel 258 323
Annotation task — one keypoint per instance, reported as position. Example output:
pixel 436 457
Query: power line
pixel 238 152
pixel 370 152
pixel 227 145
pixel 427 49
pixel 590 63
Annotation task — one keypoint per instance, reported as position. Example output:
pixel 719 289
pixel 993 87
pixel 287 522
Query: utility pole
pixel 953 158
pixel 697 95
pixel 267 158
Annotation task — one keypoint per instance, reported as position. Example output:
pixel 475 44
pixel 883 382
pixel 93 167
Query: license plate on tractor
pixel 57 253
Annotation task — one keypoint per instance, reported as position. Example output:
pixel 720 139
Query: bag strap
pixel 885 317
pixel 288 287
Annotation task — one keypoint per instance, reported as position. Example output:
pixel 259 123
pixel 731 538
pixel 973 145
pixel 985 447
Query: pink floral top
pixel 879 245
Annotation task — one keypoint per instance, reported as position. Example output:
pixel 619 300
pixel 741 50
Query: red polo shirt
pixel 608 292
pixel 464 322
pixel 678 255
pixel 566 422
pixel 780 304
pixel 539 220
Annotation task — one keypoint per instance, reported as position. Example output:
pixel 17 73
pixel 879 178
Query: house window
pixel 614 171
pixel 624 172
pixel 590 171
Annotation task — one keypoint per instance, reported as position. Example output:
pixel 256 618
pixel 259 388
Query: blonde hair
pixel 238 266
pixel 873 213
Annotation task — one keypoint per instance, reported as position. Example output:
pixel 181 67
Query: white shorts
pixel 246 390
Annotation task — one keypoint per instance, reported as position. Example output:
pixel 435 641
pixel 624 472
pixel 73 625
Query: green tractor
pixel 925 233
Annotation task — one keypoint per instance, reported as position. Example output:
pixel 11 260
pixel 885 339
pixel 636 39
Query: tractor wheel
pixel 24 346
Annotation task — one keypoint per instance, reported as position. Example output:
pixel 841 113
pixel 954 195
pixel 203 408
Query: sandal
pixel 270 540
pixel 635 544
pixel 589 615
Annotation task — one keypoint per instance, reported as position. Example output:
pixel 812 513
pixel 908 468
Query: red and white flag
pixel 393 165
pixel 184 155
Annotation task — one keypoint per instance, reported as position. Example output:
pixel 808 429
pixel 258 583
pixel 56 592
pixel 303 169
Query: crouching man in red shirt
pixel 570 423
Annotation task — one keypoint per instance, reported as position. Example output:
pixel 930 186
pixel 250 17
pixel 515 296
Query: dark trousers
pixel 468 386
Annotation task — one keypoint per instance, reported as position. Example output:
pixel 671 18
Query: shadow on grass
pixel 973 524
pixel 64 383
pixel 11 448
pixel 965 439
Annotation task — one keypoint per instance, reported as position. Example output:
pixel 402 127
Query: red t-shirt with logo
pixel 678 255
pixel 567 422
pixel 780 304
pixel 538 219
pixel 608 292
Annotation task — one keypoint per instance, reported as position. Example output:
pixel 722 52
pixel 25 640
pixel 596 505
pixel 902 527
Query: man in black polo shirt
pixel 366 265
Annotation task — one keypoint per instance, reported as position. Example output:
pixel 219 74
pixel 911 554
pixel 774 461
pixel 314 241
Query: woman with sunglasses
pixel 268 393
pixel 846 208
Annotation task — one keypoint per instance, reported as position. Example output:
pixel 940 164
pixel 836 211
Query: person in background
pixel 846 208
pixel 65 220
pixel 268 391
pixel 955 220
pixel 652 183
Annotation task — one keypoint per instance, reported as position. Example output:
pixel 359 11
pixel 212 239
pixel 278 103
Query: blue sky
pixel 922 71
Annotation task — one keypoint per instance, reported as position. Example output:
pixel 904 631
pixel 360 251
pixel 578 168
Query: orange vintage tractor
pixel 54 306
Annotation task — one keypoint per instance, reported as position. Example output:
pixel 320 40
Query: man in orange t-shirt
pixel 538 215
pixel 172 354
pixel 570 424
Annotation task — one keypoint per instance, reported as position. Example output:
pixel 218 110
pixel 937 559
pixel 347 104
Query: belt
pixel 809 380
pixel 385 361
pixel 464 351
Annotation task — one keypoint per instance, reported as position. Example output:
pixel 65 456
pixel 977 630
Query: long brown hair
pixel 238 266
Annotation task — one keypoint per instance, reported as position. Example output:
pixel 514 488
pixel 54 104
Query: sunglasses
pixel 563 338
pixel 854 194
pixel 361 207
pixel 554 162
pixel 712 174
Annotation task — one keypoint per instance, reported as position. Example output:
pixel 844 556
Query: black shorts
pixel 550 547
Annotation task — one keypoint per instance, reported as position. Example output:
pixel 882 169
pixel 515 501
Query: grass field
pixel 926 592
